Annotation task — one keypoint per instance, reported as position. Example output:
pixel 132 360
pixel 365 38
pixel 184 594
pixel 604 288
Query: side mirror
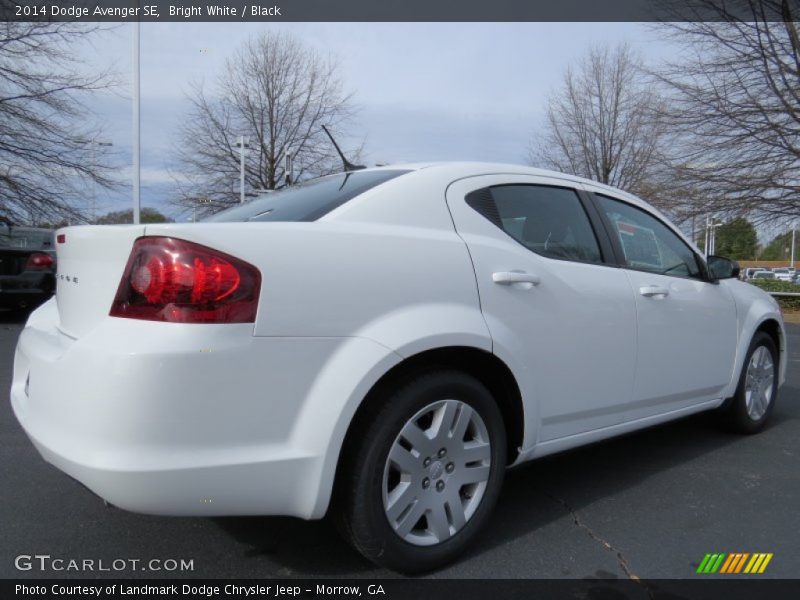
pixel 723 268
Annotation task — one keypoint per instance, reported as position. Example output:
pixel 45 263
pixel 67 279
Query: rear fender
pixel 359 363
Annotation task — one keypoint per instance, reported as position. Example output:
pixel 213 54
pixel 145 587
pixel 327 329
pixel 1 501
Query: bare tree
pixel 734 107
pixel 278 93
pixel 603 123
pixel 46 157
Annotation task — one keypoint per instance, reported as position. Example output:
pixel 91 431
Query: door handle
pixel 650 291
pixel 512 277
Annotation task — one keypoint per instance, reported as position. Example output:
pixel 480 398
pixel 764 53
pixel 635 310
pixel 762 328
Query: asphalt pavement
pixel 648 505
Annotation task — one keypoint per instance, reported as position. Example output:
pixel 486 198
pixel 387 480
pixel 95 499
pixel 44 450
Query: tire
pixel 417 487
pixel 748 412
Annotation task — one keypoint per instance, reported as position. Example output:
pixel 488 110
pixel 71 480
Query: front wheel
pixel 422 482
pixel 752 405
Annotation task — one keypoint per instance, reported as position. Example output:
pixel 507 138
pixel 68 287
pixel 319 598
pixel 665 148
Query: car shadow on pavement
pixel 560 485
pixel 301 548
pixel 533 496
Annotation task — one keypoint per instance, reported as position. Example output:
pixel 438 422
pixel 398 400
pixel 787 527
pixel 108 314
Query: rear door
pixel 559 315
pixel 687 329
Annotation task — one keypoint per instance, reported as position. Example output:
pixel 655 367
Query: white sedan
pixel 382 343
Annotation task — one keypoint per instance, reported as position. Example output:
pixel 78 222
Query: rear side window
pixel 307 201
pixel 648 244
pixel 547 220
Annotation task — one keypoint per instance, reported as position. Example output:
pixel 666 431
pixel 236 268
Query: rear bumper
pixel 190 419
pixel 273 485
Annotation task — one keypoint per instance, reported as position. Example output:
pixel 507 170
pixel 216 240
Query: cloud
pixel 423 91
pixel 151 176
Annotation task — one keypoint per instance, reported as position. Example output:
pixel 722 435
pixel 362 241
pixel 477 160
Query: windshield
pixel 307 201
pixel 18 238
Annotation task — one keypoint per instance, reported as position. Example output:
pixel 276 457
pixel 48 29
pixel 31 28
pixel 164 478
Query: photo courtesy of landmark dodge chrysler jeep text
pixel 382 343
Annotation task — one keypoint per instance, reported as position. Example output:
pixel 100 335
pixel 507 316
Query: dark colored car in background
pixel 27 267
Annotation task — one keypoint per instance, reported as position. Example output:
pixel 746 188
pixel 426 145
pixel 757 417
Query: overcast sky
pixel 424 91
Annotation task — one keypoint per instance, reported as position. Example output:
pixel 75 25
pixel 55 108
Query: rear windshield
pixel 26 239
pixel 307 201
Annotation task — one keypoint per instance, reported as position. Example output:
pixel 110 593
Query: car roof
pixel 455 170
pixel 462 169
pixel 475 168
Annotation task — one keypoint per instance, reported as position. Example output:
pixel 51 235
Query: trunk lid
pixel 91 260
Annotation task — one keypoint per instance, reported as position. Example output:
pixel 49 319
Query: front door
pixel 687 329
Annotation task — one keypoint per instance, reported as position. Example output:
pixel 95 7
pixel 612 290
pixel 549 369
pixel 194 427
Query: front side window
pixel 648 244
pixel 548 220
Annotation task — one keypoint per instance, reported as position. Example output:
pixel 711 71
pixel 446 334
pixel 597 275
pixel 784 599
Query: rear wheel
pixel 752 405
pixel 420 485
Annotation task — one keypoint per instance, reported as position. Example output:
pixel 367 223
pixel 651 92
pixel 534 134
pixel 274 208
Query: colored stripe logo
pixel 737 562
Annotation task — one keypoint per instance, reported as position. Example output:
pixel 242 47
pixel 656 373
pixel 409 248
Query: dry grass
pixel 791 316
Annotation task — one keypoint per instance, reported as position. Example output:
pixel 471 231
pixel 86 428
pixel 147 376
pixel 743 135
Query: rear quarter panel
pixel 389 291
pixel 404 287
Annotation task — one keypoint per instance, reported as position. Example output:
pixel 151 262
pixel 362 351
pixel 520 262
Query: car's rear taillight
pixel 39 261
pixel 181 282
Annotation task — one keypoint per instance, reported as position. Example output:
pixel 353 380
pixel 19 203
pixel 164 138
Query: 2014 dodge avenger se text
pixel 382 343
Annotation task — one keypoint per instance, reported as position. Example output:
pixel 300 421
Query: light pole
pixel 712 244
pixel 137 130
pixel 288 168
pixel 197 202
pixel 711 236
pixel 794 231
pixel 714 235
pixel 241 143
pixel 94 143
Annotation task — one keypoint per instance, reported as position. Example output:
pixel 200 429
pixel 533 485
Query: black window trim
pixel 607 250
pixel 619 254
pixel 604 242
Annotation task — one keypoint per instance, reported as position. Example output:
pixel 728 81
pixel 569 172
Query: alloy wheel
pixel 759 382
pixel 436 472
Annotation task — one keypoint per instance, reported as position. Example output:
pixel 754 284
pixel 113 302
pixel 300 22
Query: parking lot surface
pixel 648 505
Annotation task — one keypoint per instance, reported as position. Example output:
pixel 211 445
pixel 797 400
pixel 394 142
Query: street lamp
pixel 197 202
pixel 794 231
pixel 714 236
pixel 288 168
pixel 711 235
pixel 94 143
pixel 242 142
